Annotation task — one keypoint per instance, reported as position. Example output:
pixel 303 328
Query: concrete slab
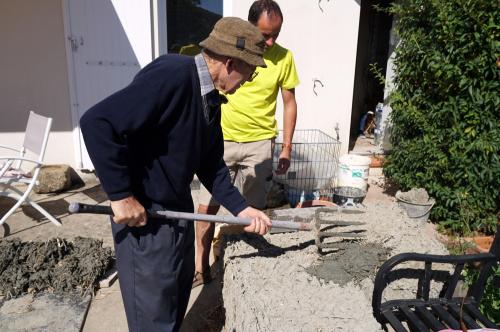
pixel 106 311
pixel 44 312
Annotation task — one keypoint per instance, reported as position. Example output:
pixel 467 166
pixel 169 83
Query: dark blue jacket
pixel 150 138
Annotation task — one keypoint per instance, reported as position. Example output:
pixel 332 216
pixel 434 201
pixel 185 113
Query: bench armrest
pixel 387 274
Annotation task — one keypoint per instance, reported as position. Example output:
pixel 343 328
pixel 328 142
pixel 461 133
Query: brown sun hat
pixel 236 38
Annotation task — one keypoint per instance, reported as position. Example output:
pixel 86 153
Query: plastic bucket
pixel 353 171
pixel 416 211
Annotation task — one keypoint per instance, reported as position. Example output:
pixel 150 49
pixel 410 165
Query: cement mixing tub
pixel 348 196
pixel 416 211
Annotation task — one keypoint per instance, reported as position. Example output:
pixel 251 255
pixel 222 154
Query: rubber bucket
pixel 416 211
pixel 353 171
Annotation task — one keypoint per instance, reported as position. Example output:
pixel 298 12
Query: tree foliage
pixel 446 106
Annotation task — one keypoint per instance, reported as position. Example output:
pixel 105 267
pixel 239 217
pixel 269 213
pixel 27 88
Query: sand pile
pixel 280 283
pixel 416 195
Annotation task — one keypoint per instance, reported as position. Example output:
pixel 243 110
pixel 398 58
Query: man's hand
pixel 283 162
pixel 260 221
pixel 129 211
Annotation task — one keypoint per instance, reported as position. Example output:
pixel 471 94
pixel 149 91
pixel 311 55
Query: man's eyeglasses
pixel 253 76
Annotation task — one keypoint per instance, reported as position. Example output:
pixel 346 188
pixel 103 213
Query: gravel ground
pixel 270 283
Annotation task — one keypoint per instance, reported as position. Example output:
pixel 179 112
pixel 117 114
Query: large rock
pixel 54 178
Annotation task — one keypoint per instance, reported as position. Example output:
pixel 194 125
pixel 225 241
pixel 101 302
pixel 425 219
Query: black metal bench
pixel 446 311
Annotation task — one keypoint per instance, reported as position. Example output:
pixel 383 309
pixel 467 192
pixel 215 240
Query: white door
pixel 110 41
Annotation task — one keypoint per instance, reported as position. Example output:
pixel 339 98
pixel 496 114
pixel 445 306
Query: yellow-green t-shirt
pixel 249 114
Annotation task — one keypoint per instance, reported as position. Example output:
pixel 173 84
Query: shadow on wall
pixel 34 65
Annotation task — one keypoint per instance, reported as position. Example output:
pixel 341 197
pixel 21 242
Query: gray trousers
pixel 155 267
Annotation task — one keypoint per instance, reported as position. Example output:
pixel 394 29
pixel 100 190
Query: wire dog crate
pixel 313 168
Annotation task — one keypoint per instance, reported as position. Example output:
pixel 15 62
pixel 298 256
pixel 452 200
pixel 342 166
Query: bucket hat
pixel 236 38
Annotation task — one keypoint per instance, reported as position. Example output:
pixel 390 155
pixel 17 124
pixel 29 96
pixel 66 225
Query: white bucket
pixel 353 171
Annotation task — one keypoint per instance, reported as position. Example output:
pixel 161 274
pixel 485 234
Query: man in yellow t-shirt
pixel 249 127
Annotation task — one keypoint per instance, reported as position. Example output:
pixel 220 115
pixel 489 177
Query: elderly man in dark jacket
pixel 147 142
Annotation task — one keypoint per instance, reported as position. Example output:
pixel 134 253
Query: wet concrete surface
pixel 56 265
pixel 279 282
pixel 28 226
pixel 352 261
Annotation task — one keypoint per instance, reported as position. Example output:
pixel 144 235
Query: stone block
pixel 54 178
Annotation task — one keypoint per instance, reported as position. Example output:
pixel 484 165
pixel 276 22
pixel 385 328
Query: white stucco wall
pixel 107 34
pixel 34 68
pixel 135 19
pixel 34 74
pixel 389 86
pixel 324 43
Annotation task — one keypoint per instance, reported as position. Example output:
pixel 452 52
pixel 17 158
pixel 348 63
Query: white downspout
pixel 159 28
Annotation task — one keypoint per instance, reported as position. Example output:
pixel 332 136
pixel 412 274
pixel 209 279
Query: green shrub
pixel 490 303
pixel 445 108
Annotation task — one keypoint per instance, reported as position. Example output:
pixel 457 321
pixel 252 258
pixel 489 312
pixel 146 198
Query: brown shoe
pixel 201 278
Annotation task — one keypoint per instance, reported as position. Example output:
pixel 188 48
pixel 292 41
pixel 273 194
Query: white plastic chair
pixel 11 172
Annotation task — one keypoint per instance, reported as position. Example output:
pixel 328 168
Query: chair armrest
pixel 382 279
pixel 6 166
pixel 12 159
pixel 10 148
